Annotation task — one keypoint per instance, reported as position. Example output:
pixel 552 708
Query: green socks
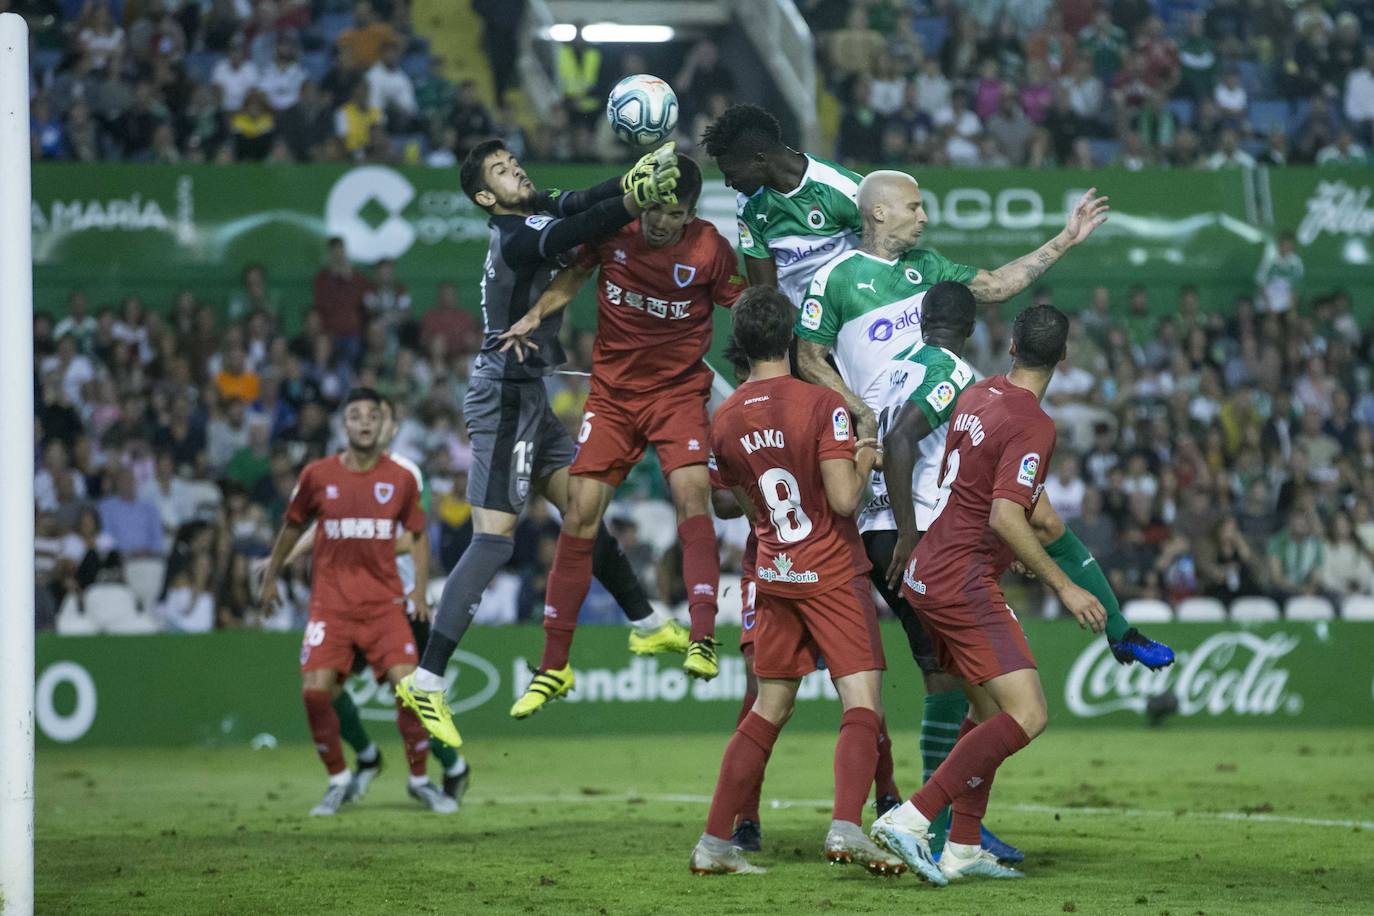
pixel 1069 554
pixel 443 753
pixel 350 723
pixel 941 718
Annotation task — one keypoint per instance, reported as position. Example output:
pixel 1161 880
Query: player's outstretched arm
pixel 287 538
pixel 813 367
pixel 845 479
pixel 305 544
pixel 1008 520
pixel 562 290
pixel 899 462
pixel 989 286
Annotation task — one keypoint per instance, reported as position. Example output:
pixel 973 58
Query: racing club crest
pixel 683 274
pixel 383 491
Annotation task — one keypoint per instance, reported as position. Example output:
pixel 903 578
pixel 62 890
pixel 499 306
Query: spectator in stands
pixel 100 39
pixel 860 127
pixel 581 78
pixel 445 319
pixel 339 300
pixel 355 120
pixel 282 79
pixel 89 555
pixel 1197 60
pixel 501 22
pixel 368 36
pixel 388 300
pixel 1010 128
pixel 1226 566
pixel 1232 100
pixel 253 129
pixel 235 76
pixel 435 94
pixel 226 433
pixel 853 50
pixel 307 124
pixel 1347 567
pixel 134 524
pixel 390 90
pixel 177 499
pixel 1359 97
pixel 187 601
pixel 1103 42
pixel 1296 554
pixel 1344 151
pixel 702 75
pixel 1229 154
pixel 933 88
pixel 470 118
pixel 235 380
pixel 1037 92
pixel 1317 130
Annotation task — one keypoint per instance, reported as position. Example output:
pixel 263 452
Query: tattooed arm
pixel 1009 279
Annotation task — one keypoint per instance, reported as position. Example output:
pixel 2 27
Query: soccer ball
pixel 642 109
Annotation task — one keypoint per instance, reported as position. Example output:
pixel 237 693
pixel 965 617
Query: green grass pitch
pixel 1182 821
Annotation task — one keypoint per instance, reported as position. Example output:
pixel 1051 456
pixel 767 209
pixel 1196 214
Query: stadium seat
pixel 1148 610
pixel 1254 609
pixel 1252 77
pixel 1308 607
pixel 1267 114
pixel 316 64
pixel 1358 607
pixel 730 600
pixel 1201 610
pixel 1182 109
pixel 112 606
pixel 71 621
pixel 145 576
pixel 933 30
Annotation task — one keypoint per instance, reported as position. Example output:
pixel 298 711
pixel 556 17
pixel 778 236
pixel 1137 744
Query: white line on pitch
pixel 1063 811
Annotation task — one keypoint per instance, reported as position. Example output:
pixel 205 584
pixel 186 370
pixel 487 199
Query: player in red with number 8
pixel 786 450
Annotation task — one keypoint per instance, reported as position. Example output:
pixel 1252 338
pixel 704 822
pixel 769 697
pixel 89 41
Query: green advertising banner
pixel 148 230
pixel 241 687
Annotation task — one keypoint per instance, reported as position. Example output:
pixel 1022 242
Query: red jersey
pixel 653 318
pixel 998 447
pixel 769 439
pixel 360 515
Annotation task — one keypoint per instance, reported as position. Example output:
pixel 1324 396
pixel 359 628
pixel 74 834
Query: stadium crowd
pixel 1219 451
pixel 1087 83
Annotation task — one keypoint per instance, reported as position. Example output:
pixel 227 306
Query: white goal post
pixel 16 476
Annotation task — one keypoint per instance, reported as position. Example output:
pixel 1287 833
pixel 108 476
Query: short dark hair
pixel 689 181
pixel 1040 334
pixel 470 175
pixel 949 305
pixel 363 394
pixel 763 319
pixel 743 130
pixel 384 401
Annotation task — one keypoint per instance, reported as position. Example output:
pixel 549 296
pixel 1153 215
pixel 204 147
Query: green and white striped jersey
pixel 868 310
pixel 804 228
pixel 932 378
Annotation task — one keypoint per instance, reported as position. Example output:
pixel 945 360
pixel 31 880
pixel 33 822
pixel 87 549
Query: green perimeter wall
pixel 230 688
pixel 150 230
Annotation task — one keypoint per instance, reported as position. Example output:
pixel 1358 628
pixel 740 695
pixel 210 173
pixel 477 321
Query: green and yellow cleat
pixel 703 661
pixel 546 686
pixel 431 708
pixel 669 637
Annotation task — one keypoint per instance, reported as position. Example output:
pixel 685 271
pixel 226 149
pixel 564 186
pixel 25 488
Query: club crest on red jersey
pixel 683 274
pixel 383 491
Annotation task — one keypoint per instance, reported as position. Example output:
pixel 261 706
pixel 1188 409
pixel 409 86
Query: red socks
pixel 746 757
pixel 324 728
pixel 856 761
pixel 968 769
pixel 700 573
pixel 569 581
pixel 749 808
pixel 415 738
pixel 883 782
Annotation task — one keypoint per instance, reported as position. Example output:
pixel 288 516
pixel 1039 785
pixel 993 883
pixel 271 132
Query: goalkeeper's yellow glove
pixel 653 179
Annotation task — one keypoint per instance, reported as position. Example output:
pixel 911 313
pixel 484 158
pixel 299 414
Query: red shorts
pixel 616 430
pixel 840 625
pixel 384 638
pixel 749 615
pixel 978 639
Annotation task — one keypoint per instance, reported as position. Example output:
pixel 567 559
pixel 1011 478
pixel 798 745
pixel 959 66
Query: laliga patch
pixel 941 396
pixel 1030 466
pixel 683 274
pixel 811 315
pixel 538 222
pixel 746 238
pixel 840 421
pixel 383 491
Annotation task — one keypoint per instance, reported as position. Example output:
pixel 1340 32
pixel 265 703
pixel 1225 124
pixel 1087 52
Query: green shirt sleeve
pixel 750 245
pixel 821 313
pixel 937 267
pixel 940 388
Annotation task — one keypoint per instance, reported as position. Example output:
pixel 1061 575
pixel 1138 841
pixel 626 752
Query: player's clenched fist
pixel 653 179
